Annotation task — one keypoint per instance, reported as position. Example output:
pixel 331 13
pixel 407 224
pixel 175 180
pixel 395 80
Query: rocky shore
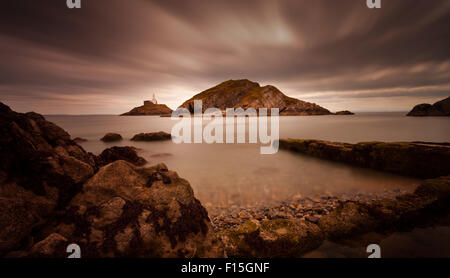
pixel 53 193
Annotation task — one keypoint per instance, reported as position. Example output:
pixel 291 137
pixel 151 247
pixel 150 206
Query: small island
pixel 439 109
pixel 344 113
pixel 150 108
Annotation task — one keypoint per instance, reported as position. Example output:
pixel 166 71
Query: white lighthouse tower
pixel 154 99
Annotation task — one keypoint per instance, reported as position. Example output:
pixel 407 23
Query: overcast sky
pixel 110 55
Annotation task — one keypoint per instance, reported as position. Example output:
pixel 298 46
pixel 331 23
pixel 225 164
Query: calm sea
pixel 237 174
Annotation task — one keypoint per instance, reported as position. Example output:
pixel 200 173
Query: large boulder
pixel 41 169
pixel 111 137
pixel 119 153
pixel 128 211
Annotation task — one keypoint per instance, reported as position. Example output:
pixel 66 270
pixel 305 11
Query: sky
pixel 110 55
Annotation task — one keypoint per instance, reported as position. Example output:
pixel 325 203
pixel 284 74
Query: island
pixel 439 109
pixel 247 94
pixel 150 108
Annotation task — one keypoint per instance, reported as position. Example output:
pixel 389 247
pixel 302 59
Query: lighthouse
pixel 150 102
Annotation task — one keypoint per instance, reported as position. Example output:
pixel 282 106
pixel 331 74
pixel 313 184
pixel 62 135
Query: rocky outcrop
pixel 155 136
pixel 439 109
pixel 416 159
pixel 150 109
pixel 293 237
pixel 119 153
pixel 246 94
pixel 111 137
pixel 41 169
pixel 344 113
pixel 53 193
pixel 127 211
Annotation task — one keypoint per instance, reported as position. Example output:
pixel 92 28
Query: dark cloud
pixel 111 54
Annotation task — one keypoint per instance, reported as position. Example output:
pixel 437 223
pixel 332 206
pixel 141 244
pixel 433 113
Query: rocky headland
pixel 247 94
pixel 439 109
pixel 150 109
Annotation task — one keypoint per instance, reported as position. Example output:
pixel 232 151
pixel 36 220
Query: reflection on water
pixel 224 174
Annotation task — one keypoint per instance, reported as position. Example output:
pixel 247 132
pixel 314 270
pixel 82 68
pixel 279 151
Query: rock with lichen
pixel 128 211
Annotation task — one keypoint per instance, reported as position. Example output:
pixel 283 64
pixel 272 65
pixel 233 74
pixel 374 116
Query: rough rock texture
pixel 111 137
pixel 439 109
pixel 41 169
pixel 127 211
pixel 149 109
pixel 50 196
pixel 416 159
pixel 119 153
pixel 279 238
pixel 293 238
pixel 246 94
pixel 155 136
pixel 344 113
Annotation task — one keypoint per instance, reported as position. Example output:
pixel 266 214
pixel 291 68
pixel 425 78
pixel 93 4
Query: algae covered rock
pixel 272 239
pixel 127 211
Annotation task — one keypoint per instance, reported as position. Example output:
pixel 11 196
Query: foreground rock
pixel 293 237
pixel 344 113
pixel 119 153
pixel 246 94
pixel 422 160
pixel 150 109
pixel 439 109
pixel 148 137
pixel 41 169
pixel 50 196
pixel 126 211
pixel 112 137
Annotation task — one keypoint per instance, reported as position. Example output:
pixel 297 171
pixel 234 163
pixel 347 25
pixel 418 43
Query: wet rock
pixel 111 137
pixel 271 239
pixel 417 159
pixel 155 136
pixel 119 153
pixel 41 169
pixel 124 211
